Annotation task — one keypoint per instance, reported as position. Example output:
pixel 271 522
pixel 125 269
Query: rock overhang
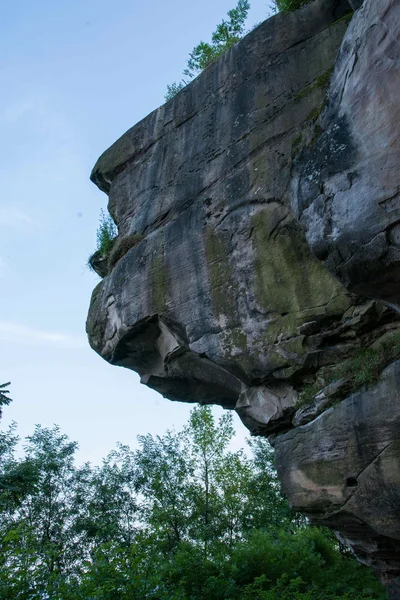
pixel 218 293
pixel 202 182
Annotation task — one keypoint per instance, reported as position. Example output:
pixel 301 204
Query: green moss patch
pixel 288 278
pixel 362 369
pixel 320 83
pixel 220 275
pixel 121 246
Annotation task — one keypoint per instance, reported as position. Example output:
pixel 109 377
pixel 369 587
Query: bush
pixel 289 5
pixel 224 37
pixel 106 233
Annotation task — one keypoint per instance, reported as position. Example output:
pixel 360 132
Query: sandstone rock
pixel 201 183
pixel 99 264
pixel 214 295
pixel 264 410
pixel 355 4
pixel 320 402
pixel 345 188
pixel 343 470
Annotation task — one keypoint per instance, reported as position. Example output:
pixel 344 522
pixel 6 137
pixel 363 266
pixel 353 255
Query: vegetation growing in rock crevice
pixel 106 233
pixel 289 5
pixel 362 368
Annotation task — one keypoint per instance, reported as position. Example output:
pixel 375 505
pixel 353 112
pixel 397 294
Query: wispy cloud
pixel 21 334
pixel 16 111
pixel 16 218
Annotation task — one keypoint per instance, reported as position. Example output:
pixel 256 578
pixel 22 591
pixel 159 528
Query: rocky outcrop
pixel 342 470
pixel 222 263
pixel 256 216
pixel 346 183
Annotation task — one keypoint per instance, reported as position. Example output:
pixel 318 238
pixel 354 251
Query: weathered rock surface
pixel 99 263
pixel 321 401
pixel 202 180
pixel 346 183
pixel 343 470
pixel 225 198
pixel 263 409
pixel 355 4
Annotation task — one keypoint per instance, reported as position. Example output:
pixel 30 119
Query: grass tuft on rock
pixel 289 5
pixel 362 369
pixel 106 233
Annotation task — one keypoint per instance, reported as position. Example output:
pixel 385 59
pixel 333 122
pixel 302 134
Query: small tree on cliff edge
pixel 227 33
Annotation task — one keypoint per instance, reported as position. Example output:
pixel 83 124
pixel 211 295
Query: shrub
pixel 289 5
pixel 224 37
pixel 106 233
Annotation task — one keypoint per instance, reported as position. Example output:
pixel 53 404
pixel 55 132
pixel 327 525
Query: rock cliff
pixel 257 258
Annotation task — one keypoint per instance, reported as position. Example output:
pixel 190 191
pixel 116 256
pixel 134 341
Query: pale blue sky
pixel 74 75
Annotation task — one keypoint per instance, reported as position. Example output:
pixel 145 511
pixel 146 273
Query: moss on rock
pixel 220 276
pixel 121 246
pixel 362 368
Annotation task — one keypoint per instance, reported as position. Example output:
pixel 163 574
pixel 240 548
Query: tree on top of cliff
pixel 227 33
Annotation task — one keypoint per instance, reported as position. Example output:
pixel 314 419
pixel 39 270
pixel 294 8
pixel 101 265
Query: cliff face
pixel 345 188
pixel 257 214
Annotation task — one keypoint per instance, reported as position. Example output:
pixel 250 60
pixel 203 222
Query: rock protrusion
pixel 265 410
pixel 258 249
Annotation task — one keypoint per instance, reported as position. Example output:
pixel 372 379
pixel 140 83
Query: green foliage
pixel 362 368
pixel 4 398
pixel 182 517
pixel 106 236
pixel 289 5
pixel 174 88
pixel 106 233
pixel 227 33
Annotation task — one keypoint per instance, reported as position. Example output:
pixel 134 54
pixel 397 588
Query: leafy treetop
pixel 227 33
